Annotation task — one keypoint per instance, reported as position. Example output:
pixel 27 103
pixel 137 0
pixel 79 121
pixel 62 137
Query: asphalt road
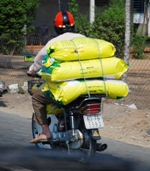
pixel 16 153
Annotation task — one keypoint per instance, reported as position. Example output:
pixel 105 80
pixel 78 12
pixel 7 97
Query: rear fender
pixel 94 134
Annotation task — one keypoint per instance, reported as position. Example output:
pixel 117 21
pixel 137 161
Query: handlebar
pixel 30 58
pixel 36 76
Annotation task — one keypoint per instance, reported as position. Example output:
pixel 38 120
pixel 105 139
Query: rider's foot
pixel 41 138
pixel 45 131
pixel 45 136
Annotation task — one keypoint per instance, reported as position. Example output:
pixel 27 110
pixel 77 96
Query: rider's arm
pixel 37 65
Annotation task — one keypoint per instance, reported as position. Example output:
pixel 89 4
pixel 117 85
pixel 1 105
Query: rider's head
pixel 64 22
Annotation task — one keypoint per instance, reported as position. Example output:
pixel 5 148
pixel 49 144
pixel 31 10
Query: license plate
pixel 93 121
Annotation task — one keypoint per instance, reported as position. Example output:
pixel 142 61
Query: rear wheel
pixel 92 148
pixel 89 145
pixel 88 151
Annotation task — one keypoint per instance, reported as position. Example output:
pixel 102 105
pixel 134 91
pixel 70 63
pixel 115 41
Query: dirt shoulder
pixel 126 124
pixel 122 123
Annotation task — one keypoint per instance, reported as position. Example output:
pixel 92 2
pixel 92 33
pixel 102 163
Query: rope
pixel 67 143
pixel 104 79
pixel 81 68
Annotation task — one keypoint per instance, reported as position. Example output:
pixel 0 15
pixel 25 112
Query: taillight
pixel 91 108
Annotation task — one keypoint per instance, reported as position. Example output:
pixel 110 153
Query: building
pixel 141 17
pixel 44 29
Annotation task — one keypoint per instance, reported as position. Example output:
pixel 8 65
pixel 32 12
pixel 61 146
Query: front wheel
pixel 36 130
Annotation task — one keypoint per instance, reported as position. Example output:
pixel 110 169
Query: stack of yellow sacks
pixel 83 66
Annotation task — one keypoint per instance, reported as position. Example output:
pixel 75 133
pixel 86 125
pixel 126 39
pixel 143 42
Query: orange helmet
pixel 64 22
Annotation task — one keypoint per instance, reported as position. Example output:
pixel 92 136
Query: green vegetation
pixel 15 21
pixel 138 46
pixel 108 25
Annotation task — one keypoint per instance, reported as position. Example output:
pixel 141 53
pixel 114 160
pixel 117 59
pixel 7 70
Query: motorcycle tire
pixel 36 130
pixel 92 148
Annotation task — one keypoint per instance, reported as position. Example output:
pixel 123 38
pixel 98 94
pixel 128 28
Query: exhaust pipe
pixel 101 147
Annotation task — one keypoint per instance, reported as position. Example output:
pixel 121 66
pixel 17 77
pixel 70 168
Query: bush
pixel 15 15
pixel 138 46
pixel 108 25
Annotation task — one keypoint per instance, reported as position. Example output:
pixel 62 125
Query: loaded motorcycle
pixel 76 125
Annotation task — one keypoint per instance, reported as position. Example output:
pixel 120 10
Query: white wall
pixel 138 18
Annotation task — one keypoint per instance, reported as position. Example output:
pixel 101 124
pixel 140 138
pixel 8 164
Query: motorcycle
pixel 76 126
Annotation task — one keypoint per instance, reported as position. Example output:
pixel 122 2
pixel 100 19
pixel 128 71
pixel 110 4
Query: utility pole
pixel 63 5
pixel 92 11
pixel 127 31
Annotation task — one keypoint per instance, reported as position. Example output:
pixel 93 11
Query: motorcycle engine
pixel 79 140
pixel 75 141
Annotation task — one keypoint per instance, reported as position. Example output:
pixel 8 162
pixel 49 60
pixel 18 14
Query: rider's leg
pixel 39 102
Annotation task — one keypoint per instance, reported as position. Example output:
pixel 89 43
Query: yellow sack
pixel 53 109
pixel 80 48
pixel 66 92
pixel 112 68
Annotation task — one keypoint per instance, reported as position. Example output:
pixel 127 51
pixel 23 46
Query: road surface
pixel 17 154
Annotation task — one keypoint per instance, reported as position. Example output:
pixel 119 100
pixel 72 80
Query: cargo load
pixel 53 109
pixel 112 68
pixel 80 49
pixel 66 92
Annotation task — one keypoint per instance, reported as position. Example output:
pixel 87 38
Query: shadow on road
pixel 39 160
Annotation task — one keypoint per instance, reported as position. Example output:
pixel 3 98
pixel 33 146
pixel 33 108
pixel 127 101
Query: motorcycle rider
pixel 64 26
